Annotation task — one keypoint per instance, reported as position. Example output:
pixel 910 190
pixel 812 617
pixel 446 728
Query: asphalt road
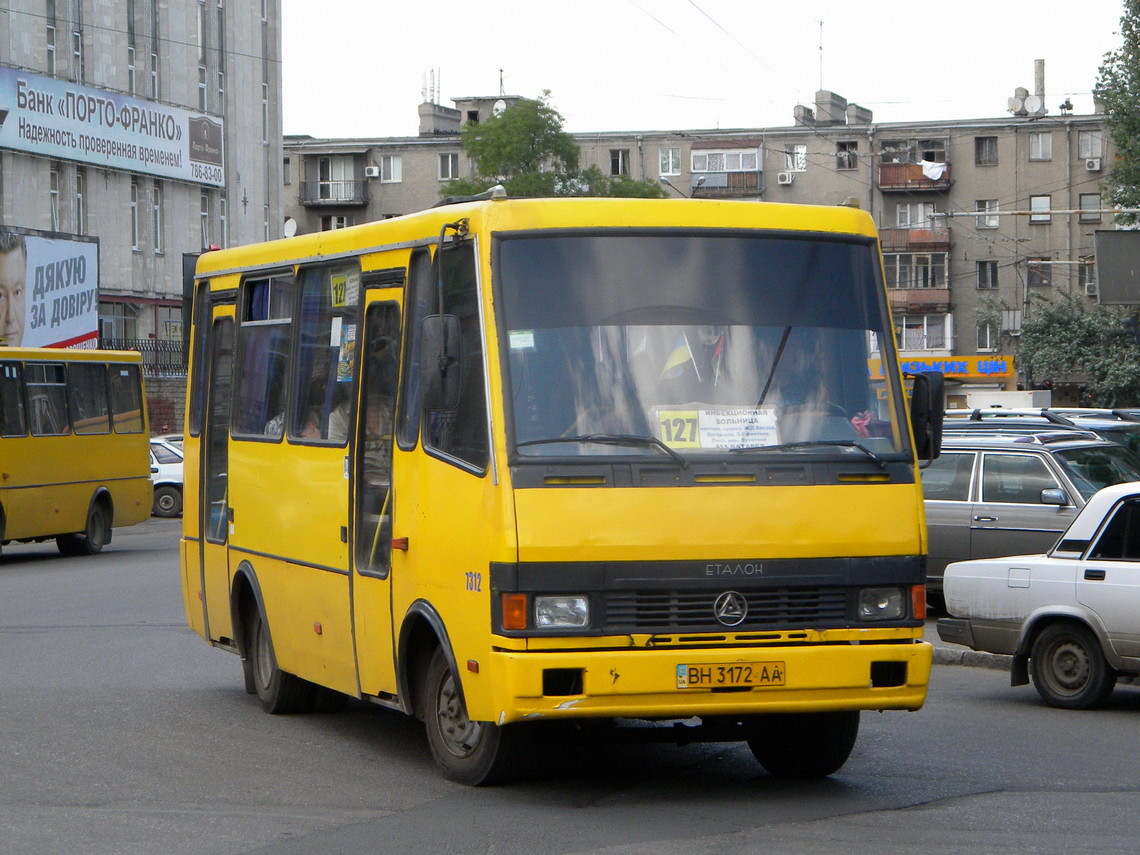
pixel 122 732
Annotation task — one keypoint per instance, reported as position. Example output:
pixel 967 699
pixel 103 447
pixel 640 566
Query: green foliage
pixel 1068 335
pixel 1118 89
pixel 525 149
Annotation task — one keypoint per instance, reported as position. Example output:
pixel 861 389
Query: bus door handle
pixel 985 519
pixel 229 514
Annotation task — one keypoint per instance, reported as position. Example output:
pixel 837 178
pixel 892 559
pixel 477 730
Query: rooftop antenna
pixel 821 53
pixel 502 91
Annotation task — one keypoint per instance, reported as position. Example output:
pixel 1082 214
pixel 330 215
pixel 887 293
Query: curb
pixel 974 658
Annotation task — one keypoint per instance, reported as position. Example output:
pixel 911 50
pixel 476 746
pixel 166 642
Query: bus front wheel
pixel 279 692
pixel 469 752
pixel 804 745
pixel 93 538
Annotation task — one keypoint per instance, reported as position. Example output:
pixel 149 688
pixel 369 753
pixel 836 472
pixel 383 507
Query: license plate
pixel 730 674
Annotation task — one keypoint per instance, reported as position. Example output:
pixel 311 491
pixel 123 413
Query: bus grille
pixel 671 611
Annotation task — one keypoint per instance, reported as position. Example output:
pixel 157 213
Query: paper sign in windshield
pixel 717 427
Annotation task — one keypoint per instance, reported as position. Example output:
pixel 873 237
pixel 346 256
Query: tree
pixel 525 149
pixel 1067 335
pixel 1118 89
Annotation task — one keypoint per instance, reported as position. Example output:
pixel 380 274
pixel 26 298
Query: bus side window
pixel 421 303
pixel 12 422
pixel 126 399
pixel 263 357
pixel 47 399
pixel 87 391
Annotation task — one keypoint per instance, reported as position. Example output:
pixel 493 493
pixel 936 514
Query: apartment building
pixel 134 133
pixel 979 218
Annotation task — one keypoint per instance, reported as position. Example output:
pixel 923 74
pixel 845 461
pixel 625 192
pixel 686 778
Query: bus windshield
pixel 704 343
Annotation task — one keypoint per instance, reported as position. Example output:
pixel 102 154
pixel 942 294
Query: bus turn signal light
pixel 514 611
pixel 918 601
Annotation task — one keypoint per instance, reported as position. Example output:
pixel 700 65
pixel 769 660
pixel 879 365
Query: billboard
pixel 1118 267
pixel 49 291
pixel 55 118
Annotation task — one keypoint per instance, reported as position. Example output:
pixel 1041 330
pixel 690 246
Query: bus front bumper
pixel 658 683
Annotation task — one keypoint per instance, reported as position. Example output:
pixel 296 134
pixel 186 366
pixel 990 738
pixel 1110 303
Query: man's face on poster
pixel 13 268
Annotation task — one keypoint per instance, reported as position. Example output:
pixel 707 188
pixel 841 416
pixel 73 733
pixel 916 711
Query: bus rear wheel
pixel 804 745
pixel 167 501
pixel 280 693
pixel 93 538
pixel 477 753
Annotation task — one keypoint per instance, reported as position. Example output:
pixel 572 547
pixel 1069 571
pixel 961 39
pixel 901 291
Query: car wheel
pixel 468 752
pixel 94 536
pixel 167 501
pixel 1068 667
pixel 804 745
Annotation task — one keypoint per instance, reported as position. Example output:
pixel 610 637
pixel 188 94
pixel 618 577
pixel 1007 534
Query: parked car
pixel 1113 425
pixel 999 494
pixel 166 474
pixel 1070 618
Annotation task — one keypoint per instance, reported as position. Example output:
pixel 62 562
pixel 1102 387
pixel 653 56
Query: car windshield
pixel 703 343
pixel 1126 435
pixel 1091 469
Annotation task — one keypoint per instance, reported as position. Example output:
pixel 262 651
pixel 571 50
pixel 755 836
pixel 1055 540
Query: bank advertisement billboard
pixel 49 291
pixel 56 118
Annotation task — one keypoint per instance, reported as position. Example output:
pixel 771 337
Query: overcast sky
pixel 357 68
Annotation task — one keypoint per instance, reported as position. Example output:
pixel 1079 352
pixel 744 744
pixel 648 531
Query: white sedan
pixel 1071 617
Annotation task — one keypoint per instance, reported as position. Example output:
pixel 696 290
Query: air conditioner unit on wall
pixel 785 177
pixel 372 172
pixel 1092 164
pixel 1090 289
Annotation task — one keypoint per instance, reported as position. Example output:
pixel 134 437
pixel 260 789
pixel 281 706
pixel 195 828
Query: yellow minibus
pixel 515 461
pixel 74 447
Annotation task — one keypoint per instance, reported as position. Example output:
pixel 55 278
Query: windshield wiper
pixel 612 439
pixel 817 443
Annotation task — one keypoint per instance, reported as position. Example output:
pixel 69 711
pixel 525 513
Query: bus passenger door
pixel 214 522
pixel 372 500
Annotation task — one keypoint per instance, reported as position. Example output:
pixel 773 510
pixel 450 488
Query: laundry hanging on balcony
pixel 932 170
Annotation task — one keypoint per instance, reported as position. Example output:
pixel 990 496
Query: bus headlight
pixel 882 604
pixel 561 612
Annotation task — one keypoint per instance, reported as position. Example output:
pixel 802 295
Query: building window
pixel 1041 146
pixel 336 221
pixel 1090 207
pixel 915 270
pixel 154 88
pixel 51 49
pixel 1037 272
pixel 669 161
pixel 265 221
pixel 987 337
pixel 78 69
pixel 53 196
pixel 80 200
pixel 895 151
pixel 921 332
pixel 847 155
pixel 131 78
pixel 336 177
pixel 134 213
pixel 619 161
pixel 915 215
pixel 118 321
pixel 156 215
pixel 1040 206
pixel 724 161
pixel 221 90
pixel 204 217
pixel 933 151
pixel 286 171
pixel 265 113
pixel 448 166
pixel 795 158
pixel 223 222
pixel 987 274
pixel 391 168
pixel 988 207
pixel 1086 275
pixel 985 151
pixel 1089 144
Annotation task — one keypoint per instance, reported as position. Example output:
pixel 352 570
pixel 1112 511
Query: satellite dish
pixel 290 227
pixel 499 107
pixel 1033 103
pixel 1015 105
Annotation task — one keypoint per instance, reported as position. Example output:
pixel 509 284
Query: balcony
pixel 726 185
pixel 340 192
pixel 935 239
pixel 919 300
pixel 909 176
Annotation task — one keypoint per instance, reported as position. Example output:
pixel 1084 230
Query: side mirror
pixel 440 362
pixel 1054 496
pixel 927 409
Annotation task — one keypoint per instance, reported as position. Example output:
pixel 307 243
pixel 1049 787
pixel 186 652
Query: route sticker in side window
pixel 702 426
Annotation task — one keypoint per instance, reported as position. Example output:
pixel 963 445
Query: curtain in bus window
pixel 87 391
pixel 263 355
pixel 326 354
pixel 47 399
pixel 12 421
pixel 126 398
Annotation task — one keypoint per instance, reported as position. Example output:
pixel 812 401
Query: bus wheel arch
pixel 422 632
pixel 97 529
